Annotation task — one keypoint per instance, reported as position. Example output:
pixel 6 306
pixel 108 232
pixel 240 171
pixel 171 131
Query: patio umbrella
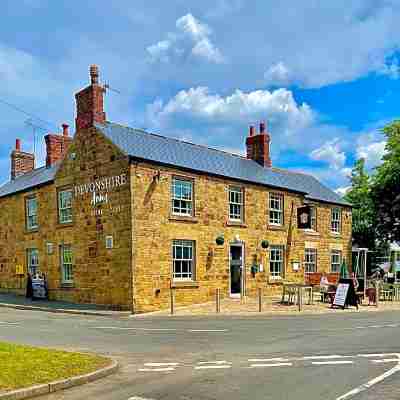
pixel 344 274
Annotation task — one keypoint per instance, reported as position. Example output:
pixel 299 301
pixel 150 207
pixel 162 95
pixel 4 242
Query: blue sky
pixel 324 75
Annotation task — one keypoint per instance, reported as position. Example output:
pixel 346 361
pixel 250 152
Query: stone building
pixel 119 216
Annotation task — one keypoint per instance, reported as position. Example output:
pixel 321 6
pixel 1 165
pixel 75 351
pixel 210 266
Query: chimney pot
pixel 262 127
pixel 251 130
pixel 65 129
pixel 94 74
pixel 18 144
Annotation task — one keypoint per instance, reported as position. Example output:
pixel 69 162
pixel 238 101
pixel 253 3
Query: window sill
pixel 238 224
pixel 65 225
pixel 336 235
pixel 33 230
pixel 182 218
pixel 275 279
pixel 310 232
pixel 67 285
pixel 184 284
pixel 276 227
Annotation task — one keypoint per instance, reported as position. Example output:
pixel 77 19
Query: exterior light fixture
pixel 265 244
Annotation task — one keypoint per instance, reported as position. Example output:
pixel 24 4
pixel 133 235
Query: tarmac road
pixel 327 356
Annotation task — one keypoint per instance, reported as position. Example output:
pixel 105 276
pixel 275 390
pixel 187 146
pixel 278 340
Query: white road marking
pixel 9 323
pixel 214 362
pixel 271 365
pixel 161 364
pixel 385 360
pixel 372 382
pixel 331 362
pixel 324 357
pixel 267 359
pixel 372 355
pixel 167 369
pixel 136 329
pixel 208 330
pixel 224 366
pixel 138 398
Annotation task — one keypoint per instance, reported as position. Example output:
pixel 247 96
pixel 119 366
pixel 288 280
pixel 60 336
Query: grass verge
pixel 24 366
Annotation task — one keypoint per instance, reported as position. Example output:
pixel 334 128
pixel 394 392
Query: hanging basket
pixel 220 240
pixel 265 244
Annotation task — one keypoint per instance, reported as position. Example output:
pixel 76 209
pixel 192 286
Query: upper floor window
pixel 182 197
pixel 66 263
pixel 65 206
pixel 235 203
pixel 336 260
pixel 31 213
pixel 313 210
pixel 336 220
pixel 276 261
pixel 310 260
pixel 275 209
pixel 183 259
pixel 33 261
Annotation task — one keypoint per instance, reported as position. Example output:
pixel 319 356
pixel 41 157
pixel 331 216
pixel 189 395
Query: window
pixel 275 209
pixel 65 206
pixel 109 242
pixel 66 264
pixel 336 260
pixel 33 261
pixel 335 220
pixel 31 213
pixel 313 210
pixel 276 261
pixel 235 203
pixel 310 260
pixel 182 197
pixel 183 260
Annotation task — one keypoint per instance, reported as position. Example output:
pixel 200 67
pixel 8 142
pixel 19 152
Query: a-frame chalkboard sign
pixel 345 294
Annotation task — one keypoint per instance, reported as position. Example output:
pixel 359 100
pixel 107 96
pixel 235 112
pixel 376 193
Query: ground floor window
pixel 183 259
pixel 310 260
pixel 66 264
pixel 276 261
pixel 336 260
pixel 33 261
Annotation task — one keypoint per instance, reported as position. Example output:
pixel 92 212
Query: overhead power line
pixel 21 110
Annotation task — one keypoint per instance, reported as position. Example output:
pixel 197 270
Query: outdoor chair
pixel 386 293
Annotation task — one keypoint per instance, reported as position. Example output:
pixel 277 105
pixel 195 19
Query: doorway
pixel 236 268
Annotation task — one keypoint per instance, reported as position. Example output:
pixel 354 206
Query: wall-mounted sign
pixel 304 217
pixel 295 265
pixel 100 188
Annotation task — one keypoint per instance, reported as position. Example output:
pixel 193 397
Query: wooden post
pixel 217 301
pixel 377 294
pixel 172 301
pixel 259 299
pixel 299 296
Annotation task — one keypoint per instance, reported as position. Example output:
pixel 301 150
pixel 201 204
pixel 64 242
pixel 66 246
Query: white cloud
pixel 372 153
pixel 341 191
pixel 191 38
pixel 331 153
pixel 391 69
pixel 277 74
pixel 239 106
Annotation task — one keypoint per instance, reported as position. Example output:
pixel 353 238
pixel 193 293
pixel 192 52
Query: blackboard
pixel 347 292
pixel 39 290
pixel 341 294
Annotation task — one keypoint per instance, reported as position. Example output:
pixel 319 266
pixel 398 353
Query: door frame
pixel 243 272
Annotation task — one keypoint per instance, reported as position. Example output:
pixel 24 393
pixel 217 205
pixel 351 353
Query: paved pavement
pixel 222 357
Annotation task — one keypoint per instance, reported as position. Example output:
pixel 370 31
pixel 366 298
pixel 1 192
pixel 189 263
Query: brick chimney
pixel 21 162
pixel 57 146
pixel 257 146
pixel 89 102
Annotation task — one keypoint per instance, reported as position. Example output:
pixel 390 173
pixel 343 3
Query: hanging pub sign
pixel 304 217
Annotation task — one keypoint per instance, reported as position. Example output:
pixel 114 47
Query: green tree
pixel 385 191
pixel 359 195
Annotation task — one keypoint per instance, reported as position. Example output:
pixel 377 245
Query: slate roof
pixel 37 177
pixel 160 149
pixel 142 145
